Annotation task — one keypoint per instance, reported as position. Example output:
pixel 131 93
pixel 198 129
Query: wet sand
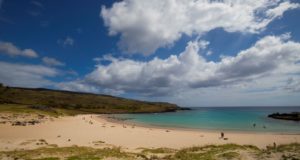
pixel 97 131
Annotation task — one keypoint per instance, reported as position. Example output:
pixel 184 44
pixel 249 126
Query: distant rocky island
pixel 294 116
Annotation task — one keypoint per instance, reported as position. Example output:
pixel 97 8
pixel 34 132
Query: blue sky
pixel 199 53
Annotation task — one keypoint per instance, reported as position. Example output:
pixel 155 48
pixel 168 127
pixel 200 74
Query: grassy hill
pixel 77 103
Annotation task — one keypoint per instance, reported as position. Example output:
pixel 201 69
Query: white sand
pixel 82 133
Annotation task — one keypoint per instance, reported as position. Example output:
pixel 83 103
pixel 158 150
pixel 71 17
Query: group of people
pixel 254 125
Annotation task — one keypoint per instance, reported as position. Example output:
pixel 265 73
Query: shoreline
pixel 98 132
pixel 108 118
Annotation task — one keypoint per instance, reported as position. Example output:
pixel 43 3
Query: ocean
pixel 221 119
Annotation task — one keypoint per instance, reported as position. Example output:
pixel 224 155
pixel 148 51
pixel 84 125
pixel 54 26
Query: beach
pixel 97 131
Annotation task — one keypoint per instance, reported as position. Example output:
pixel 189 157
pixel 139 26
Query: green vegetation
pixel 25 109
pixel 230 155
pixel 210 152
pixel 72 103
pixel 157 150
pixel 70 153
pixel 292 147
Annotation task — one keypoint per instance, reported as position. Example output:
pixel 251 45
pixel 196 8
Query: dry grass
pixel 210 152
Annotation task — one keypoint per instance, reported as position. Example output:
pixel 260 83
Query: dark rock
pixel 185 109
pixel 33 122
pixel 17 123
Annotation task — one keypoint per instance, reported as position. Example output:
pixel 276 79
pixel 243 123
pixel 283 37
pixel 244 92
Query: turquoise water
pixel 222 118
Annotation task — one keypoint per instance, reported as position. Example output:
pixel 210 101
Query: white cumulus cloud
pixel 145 26
pixel 68 41
pixel 12 50
pixel 14 74
pixel 52 61
pixel 271 56
pixel 78 86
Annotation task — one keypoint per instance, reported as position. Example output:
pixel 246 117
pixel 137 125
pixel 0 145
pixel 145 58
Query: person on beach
pixel 254 125
pixel 222 135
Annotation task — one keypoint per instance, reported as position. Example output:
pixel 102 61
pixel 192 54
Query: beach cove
pixel 241 119
pixel 97 131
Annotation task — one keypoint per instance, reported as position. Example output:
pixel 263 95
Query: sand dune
pixel 92 130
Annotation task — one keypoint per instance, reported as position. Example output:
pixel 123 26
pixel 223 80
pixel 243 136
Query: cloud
pixel 145 26
pixel 208 53
pixel 37 9
pixel 84 86
pixel 52 62
pixel 69 41
pixel 278 11
pixel 14 74
pixel 293 84
pixel 37 3
pixel 271 56
pixel 12 50
pixel 78 86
